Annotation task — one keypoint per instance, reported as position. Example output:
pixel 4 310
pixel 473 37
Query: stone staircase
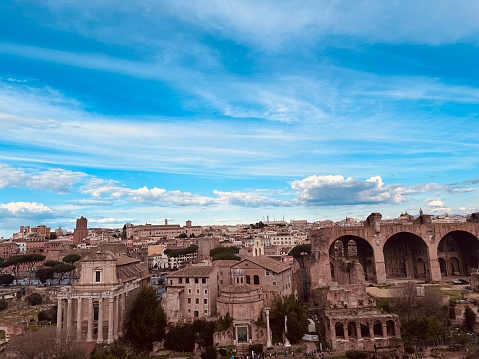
pixel 242 349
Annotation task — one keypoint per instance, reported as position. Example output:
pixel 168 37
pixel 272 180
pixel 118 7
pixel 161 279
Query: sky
pixel 229 112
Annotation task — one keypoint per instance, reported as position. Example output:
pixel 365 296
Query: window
pixel 187 280
pixel 171 281
pixel 180 280
pixel 196 314
pixel 189 300
pixel 197 300
pixel 203 280
pixel 189 290
pixel 255 279
pixel 206 311
pixel 197 291
pixel 97 276
pixel 205 301
pixel 248 279
pixel 206 291
pixel 196 280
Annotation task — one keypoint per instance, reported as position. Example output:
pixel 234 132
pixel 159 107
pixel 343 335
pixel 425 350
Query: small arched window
pixel 248 279
pixel 256 279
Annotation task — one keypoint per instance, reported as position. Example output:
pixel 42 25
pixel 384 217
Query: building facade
pixel 94 308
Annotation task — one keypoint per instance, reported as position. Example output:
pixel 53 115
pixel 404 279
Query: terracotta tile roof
pixel 200 271
pixel 225 262
pixel 267 263
pixel 122 260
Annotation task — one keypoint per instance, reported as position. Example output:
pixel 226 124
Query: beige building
pixel 95 307
pixel 273 277
pixel 191 293
pixel 161 231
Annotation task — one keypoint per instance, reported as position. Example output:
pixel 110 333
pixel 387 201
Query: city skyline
pixel 228 112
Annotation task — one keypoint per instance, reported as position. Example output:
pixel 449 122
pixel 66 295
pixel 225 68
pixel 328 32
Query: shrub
pixel 34 299
pixel 49 315
pixel 3 304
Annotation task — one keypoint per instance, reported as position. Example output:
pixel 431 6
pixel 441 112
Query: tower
pixel 80 231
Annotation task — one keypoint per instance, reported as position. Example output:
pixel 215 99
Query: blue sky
pixel 226 112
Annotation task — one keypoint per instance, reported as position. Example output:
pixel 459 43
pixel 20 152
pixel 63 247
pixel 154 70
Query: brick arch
pixel 457 251
pixel 377 234
pixel 352 330
pixel 355 248
pixel 406 255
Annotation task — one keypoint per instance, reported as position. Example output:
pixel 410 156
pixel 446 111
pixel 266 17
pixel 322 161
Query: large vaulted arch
pixel 354 248
pixel 406 256
pixel 458 253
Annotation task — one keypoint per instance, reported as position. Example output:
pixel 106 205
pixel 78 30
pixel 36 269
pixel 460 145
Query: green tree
pixel 221 250
pixel 297 317
pixel 227 256
pixel 63 268
pixel 14 261
pixel 34 299
pixel 300 250
pixel 6 279
pixel 180 338
pixel 43 274
pixel 147 320
pixel 51 263
pixel 71 258
pixel 31 259
pixel 49 314
pixel 469 319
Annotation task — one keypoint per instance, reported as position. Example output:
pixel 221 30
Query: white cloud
pixel 54 180
pixel 435 203
pixel 24 209
pixel 338 190
pixel 247 199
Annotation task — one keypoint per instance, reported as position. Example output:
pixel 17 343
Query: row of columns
pixel 358 330
pixel 115 316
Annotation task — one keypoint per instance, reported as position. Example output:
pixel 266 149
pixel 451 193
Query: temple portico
pixel 94 308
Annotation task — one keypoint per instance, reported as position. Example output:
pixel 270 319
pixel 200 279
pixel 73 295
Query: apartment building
pixel 191 293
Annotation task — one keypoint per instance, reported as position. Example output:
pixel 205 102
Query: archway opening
pixel 391 328
pixel 353 248
pixel 365 330
pixel 406 256
pixel 378 329
pixel 352 332
pixel 339 330
pixel 457 253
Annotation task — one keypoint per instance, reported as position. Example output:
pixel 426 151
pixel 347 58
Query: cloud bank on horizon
pixel 228 112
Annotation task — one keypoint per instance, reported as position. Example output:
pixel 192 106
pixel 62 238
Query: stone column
pixel 268 331
pixel 110 321
pixel 69 315
pixel 346 331
pixel 385 330
pixel 435 269
pixel 122 310
pixel 116 318
pixel 59 318
pixel 358 331
pixel 89 334
pixel 100 321
pixel 380 266
pixel 371 330
pixel 79 318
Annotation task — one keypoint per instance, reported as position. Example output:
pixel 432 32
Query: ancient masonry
pixel 344 259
